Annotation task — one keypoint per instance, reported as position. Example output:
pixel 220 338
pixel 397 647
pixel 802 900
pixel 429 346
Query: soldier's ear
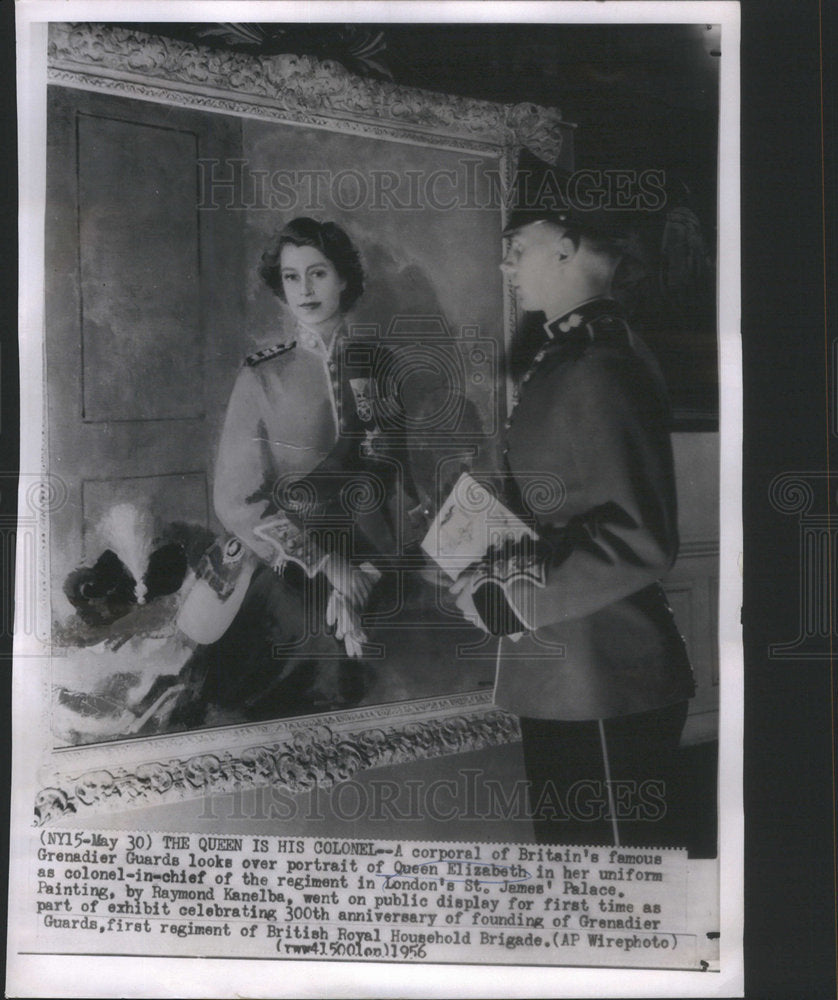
pixel 565 248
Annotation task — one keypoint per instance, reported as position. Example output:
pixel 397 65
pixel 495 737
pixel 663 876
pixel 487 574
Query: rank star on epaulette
pixel 268 352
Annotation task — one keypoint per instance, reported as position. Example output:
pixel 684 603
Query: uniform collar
pixel 312 341
pixel 580 317
pixel 566 329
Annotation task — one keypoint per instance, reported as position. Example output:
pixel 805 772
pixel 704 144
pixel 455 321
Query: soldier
pixel 598 674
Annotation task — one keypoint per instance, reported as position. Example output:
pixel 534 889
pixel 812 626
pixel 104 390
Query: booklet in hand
pixel 468 524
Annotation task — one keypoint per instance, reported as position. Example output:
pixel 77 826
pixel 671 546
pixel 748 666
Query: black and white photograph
pixel 379 533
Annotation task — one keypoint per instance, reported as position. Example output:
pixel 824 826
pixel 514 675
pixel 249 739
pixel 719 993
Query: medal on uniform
pixel 362 391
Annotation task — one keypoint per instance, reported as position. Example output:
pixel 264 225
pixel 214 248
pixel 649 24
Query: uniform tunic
pixel 291 436
pixel 293 429
pixel 590 460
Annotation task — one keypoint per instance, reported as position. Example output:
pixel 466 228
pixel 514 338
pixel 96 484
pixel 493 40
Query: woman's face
pixel 312 285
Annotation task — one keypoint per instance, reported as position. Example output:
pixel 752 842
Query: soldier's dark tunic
pixel 592 421
pixel 590 460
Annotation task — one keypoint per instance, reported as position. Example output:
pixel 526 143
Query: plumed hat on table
pixel 541 192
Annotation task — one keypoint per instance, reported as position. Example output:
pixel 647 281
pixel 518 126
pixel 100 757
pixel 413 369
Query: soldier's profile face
pixel 311 284
pixel 531 265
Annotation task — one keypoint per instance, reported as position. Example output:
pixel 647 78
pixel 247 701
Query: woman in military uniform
pixel 302 491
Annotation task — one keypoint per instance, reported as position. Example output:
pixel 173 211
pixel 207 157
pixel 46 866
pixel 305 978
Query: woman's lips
pixel 309 305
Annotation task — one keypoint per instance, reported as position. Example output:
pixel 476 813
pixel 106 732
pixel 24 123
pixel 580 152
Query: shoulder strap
pixel 268 352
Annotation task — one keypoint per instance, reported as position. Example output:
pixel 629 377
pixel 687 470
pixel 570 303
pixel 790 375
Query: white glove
pixel 354 584
pixel 343 617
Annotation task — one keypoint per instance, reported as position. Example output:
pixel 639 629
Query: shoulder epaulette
pixel 268 352
pixel 609 328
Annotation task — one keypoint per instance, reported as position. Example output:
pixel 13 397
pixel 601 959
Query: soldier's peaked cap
pixel 541 192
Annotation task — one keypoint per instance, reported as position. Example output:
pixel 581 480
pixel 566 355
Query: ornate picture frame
pixel 120 63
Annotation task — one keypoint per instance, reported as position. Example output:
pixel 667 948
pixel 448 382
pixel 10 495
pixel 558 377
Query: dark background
pixel 643 97
pixel 787 294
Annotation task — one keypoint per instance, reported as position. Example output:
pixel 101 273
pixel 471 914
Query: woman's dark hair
pixel 331 241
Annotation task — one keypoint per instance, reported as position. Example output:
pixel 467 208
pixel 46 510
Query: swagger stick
pixel 607 764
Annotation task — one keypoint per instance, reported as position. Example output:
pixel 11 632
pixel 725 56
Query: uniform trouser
pixel 578 788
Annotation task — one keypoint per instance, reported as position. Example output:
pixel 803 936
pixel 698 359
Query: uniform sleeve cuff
pixel 291 544
pixel 498 614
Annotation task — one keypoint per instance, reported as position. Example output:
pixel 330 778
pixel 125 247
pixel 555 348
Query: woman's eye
pixel 319 274
pixel 289 277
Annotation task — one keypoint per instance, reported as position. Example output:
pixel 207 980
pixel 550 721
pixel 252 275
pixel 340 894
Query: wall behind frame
pixel 693 582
